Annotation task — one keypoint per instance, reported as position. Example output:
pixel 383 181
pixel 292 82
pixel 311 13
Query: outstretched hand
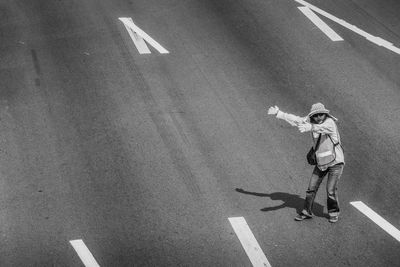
pixel 273 110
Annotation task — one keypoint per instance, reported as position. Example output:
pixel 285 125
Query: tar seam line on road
pixel 35 62
pixel 36 66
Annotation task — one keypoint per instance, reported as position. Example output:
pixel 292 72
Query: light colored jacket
pixel 328 127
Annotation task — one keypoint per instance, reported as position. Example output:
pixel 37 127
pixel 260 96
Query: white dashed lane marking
pixel 84 253
pixel 249 242
pixel 376 218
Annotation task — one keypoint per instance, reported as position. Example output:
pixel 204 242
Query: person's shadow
pixel 289 201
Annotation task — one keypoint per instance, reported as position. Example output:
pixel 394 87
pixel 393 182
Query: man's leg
pixel 334 174
pixel 315 181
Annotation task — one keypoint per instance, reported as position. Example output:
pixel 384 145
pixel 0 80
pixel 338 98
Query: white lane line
pixel 140 36
pixel 320 24
pixel 376 40
pixel 376 218
pixel 249 242
pixel 84 254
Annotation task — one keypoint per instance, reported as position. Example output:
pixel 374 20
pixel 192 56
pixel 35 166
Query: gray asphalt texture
pixel 145 157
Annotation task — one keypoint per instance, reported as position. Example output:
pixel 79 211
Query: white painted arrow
pixel 139 37
pixel 374 39
pixel 320 24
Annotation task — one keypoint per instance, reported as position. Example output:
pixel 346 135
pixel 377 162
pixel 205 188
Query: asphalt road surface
pixel 140 155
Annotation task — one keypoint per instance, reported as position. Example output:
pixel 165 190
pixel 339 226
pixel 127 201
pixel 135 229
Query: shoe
pixel 301 217
pixel 333 219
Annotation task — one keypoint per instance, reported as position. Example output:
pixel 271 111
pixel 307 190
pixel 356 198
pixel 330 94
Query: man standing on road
pixel 329 156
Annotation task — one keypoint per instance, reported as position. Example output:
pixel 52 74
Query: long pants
pixel 334 172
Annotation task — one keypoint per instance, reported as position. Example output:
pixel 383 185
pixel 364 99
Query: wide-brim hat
pixel 319 108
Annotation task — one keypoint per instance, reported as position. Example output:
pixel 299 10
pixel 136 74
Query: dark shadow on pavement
pixel 289 201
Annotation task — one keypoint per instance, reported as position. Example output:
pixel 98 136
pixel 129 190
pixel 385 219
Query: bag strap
pixel 338 135
pixel 317 145
pixel 338 143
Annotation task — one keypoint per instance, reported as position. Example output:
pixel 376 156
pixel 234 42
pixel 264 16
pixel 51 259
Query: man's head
pixel 318 118
pixel 318 113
